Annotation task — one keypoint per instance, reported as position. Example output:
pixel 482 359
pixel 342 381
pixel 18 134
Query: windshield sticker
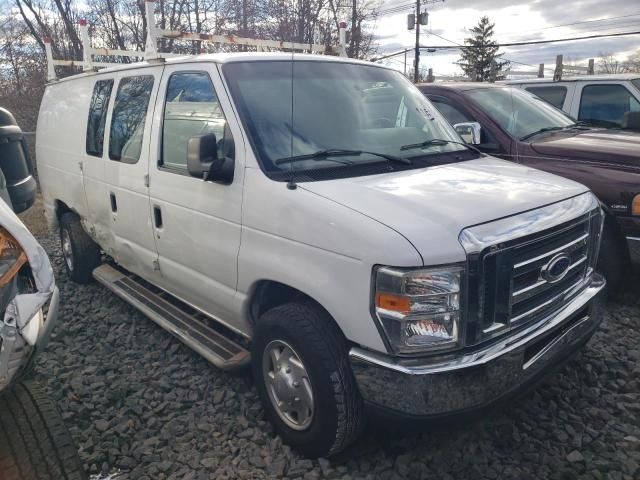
pixel 426 112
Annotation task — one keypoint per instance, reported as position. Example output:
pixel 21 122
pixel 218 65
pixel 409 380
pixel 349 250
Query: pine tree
pixel 480 51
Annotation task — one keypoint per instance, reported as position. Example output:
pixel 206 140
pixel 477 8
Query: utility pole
pixel 416 67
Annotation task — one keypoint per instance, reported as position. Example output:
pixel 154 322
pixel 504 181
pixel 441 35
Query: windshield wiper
pixel 542 130
pixel 338 152
pixel 438 142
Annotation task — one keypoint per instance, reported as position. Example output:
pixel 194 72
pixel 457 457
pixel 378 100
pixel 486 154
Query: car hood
pixel 431 206
pixel 605 146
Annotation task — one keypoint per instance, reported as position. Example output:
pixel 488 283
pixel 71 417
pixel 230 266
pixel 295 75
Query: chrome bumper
pixel 474 380
pixel 634 249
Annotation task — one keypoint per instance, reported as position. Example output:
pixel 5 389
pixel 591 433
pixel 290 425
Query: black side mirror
pixel 221 171
pixel 631 121
pixel 203 161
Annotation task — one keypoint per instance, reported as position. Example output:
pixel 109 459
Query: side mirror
pixel 631 121
pixel 203 161
pixel 469 132
pixel 202 150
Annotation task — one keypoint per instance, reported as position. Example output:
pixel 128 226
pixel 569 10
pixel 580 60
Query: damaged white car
pixel 26 287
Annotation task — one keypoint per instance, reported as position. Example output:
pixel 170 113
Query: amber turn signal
pixel 395 303
pixel 635 205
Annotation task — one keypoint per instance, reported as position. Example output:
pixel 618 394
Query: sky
pixel 515 21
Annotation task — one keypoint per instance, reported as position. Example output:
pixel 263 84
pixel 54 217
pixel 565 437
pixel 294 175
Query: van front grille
pixel 529 278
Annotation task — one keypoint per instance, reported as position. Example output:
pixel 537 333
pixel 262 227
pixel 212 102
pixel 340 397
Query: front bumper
pixel 475 380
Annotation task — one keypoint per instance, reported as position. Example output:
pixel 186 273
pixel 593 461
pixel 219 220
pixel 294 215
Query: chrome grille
pixel 516 284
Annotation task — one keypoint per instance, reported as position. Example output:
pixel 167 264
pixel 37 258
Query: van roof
pixel 577 78
pixel 224 58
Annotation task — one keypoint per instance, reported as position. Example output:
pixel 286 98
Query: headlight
pixel 12 257
pixel 419 309
pixel 635 205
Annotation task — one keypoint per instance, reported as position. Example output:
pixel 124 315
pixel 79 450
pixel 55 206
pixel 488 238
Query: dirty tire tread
pixel 66 453
pixel 39 431
pixel 10 447
pixel 27 450
pixel 86 252
pixel 321 330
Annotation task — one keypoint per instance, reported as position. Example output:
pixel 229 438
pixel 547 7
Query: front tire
pixel 613 261
pixel 81 254
pixel 303 376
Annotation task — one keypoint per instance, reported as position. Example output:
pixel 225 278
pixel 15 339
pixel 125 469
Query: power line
pixel 540 42
pixel 586 21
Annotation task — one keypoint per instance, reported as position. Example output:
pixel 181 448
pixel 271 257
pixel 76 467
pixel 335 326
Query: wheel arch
pixel 266 294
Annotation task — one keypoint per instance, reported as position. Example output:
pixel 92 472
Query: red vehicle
pixel 516 125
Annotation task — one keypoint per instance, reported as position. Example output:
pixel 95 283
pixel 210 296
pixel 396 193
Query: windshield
pixel 636 82
pixel 519 112
pixel 294 109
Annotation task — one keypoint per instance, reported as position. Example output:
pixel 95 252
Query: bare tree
pixel 609 63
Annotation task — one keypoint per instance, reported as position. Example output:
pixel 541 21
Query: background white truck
pixel 611 101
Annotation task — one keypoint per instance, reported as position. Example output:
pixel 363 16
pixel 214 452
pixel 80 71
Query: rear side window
pixel 605 105
pixel 98 117
pixel 128 118
pixel 192 109
pixel 554 95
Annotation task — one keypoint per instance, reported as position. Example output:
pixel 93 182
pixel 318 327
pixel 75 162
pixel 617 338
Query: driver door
pixel 196 223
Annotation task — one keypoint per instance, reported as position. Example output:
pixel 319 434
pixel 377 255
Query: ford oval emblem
pixel 557 268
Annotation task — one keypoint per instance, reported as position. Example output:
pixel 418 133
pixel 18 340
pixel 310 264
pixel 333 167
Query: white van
pixel 611 101
pixel 317 218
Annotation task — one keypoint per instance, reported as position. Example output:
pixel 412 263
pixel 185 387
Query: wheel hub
pixel 67 251
pixel 288 384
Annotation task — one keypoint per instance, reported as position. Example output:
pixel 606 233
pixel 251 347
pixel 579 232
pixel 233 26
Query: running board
pixel 217 348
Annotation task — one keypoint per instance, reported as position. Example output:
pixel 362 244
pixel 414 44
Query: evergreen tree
pixel 480 51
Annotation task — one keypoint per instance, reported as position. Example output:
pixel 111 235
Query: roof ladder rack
pixel 154 34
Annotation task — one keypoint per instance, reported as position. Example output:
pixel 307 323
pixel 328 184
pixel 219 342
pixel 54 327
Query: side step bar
pixel 220 350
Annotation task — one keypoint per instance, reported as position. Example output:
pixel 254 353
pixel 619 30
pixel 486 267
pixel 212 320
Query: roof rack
pixel 154 34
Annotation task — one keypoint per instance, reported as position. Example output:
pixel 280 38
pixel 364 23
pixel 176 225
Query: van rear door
pixel 122 201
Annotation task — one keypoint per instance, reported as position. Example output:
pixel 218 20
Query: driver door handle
pixel 157 216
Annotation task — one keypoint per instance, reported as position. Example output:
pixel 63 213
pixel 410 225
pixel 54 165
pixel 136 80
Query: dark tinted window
pixel 606 104
pixel 451 113
pixel 554 95
pixel 192 108
pixel 98 117
pixel 127 122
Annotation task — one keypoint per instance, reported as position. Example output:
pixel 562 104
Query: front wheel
pixel 304 379
pixel 613 261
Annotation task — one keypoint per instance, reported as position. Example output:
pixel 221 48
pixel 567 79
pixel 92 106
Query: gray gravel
pixel 140 403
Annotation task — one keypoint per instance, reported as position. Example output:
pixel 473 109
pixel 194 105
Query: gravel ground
pixel 140 403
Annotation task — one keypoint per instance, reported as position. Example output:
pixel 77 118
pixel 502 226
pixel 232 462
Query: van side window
pixel 192 108
pixel 128 118
pixel 98 117
pixel 605 105
pixel 554 95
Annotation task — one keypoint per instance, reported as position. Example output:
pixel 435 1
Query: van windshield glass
pixel 520 113
pixel 293 109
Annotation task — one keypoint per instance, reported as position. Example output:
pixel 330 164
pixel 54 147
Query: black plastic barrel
pixel 15 163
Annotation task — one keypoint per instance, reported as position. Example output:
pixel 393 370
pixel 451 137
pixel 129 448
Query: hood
pixel 431 206
pixel 605 146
